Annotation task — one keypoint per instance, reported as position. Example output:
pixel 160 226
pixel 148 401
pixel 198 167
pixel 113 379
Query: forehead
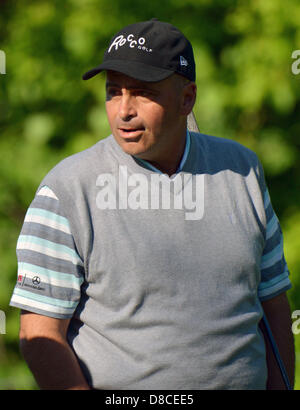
pixel 120 79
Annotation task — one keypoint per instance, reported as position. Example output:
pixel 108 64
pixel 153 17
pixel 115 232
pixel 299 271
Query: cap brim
pixel 137 70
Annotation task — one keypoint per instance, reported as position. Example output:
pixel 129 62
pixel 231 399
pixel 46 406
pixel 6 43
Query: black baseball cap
pixel 148 51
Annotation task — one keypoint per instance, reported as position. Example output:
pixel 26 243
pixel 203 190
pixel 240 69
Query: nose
pixel 127 109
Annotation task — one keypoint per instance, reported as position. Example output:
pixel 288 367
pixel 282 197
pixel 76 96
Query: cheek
pixel 154 118
pixel 111 113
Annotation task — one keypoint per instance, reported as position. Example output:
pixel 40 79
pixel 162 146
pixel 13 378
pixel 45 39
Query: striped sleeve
pixel 50 270
pixel 274 270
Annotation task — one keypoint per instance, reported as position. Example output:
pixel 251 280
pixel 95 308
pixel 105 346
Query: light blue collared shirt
pixel 182 162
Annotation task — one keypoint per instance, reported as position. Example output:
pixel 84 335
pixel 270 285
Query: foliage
pixel 246 91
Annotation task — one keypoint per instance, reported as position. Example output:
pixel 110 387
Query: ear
pixel 188 98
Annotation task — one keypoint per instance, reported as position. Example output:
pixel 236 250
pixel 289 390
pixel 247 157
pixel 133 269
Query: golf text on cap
pixel 131 41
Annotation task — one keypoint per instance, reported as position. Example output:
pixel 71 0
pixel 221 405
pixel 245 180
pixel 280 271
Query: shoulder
pixel 78 167
pixel 225 154
pixel 223 146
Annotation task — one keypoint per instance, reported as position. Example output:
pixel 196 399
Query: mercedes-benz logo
pixel 36 280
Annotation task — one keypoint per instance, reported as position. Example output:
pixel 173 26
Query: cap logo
pixel 131 41
pixel 183 61
pixel 149 51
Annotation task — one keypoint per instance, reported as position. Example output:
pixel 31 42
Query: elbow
pixel 24 344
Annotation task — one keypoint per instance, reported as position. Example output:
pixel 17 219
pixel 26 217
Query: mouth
pixel 131 133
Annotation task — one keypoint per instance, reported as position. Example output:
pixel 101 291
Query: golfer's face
pixel 143 116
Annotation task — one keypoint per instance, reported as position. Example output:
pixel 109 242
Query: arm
pixel 278 314
pixel 44 346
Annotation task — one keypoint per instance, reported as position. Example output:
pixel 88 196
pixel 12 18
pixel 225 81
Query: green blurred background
pixel 246 92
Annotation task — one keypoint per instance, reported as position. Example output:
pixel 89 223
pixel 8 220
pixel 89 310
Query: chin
pixel 132 146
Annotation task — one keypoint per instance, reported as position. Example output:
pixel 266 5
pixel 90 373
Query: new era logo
pixel 183 61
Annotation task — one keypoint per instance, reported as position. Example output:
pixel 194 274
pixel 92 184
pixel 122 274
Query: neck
pixel 169 162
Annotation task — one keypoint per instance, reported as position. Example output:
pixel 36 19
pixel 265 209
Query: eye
pixel 112 91
pixel 143 93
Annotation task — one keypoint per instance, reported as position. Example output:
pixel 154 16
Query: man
pixel 145 260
